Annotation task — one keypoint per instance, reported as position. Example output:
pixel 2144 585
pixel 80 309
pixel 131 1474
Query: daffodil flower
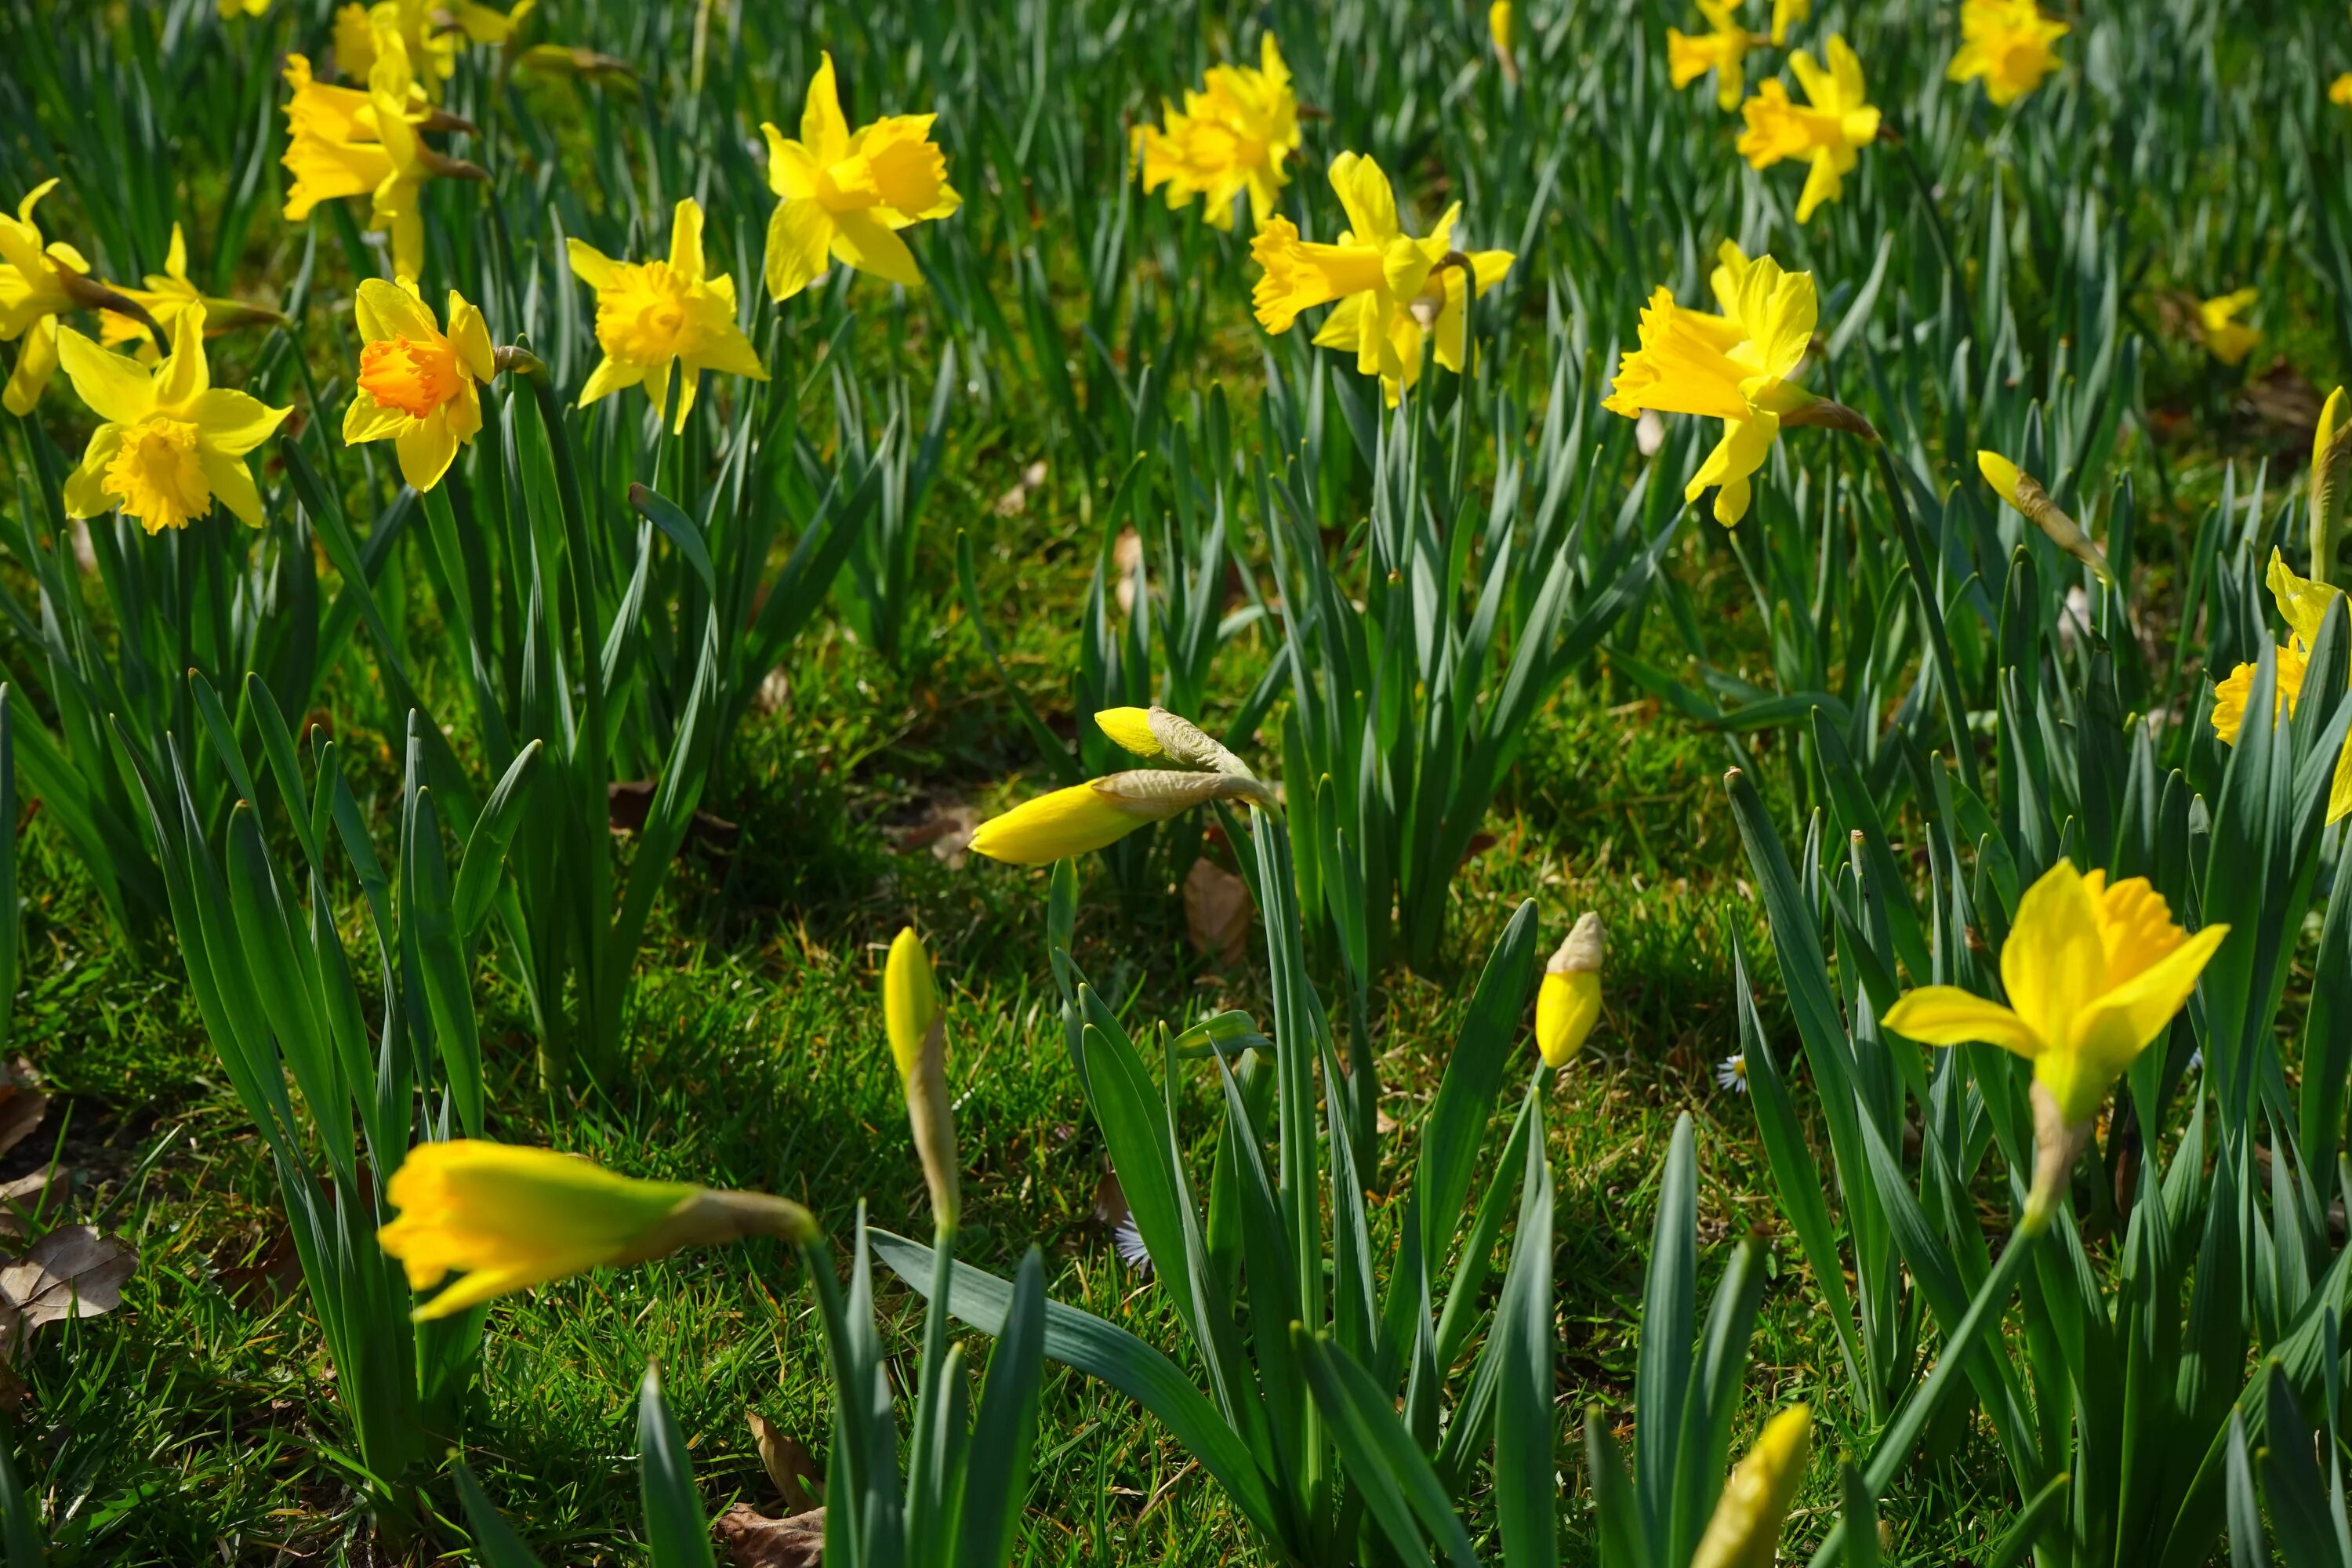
pixel 1392 290
pixel 417 386
pixel 2006 44
pixel 343 143
pixel 2302 604
pixel 2339 91
pixel 234 8
pixel 485 24
pixel 1232 136
pixel 1829 132
pixel 508 1218
pixel 652 315
pixel 1744 1530
pixel 1156 732
pixel 172 442
pixel 2227 339
pixel 911 1017
pixel 1722 48
pixel 41 280
pixel 2093 972
pixel 1737 367
pixel 1786 12
pixel 1568 1003
pixel 361 32
pixel 846 195
pixel 1501 27
pixel 167 294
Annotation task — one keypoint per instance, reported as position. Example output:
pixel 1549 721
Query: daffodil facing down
pixel 172 442
pixel 1568 1003
pixel 2006 44
pixel 418 387
pixel 2302 604
pixel 1786 14
pixel 653 315
pixel 40 280
pixel 1828 131
pixel 2025 496
pixel 507 1218
pixel 2228 339
pixel 167 294
pixel 911 1016
pixel 844 195
pixel 1744 1530
pixel 1739 367
pixel 1393 291
pixel 1722 48
pixel 1232 136
pixel 2093 972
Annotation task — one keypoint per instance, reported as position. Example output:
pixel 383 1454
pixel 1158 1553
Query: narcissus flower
pixel 1786 12
pixel 2302 604
pixel 1568 1003
pixel 2024 494
pixel 2093 974
pixel 417 386
pixel 651 315
pixel 172 442
pixel 910 1013
pixel 1156 732
pixel 1103 811
pixel 2339 91
pixel 231 9
pixel 343 143
pixel 2005 43
pixel 1722 49
pixel 1829 132
pixel 1745 1532
pixel 2227 339
pixel 844 195
pixel 507 1218
pixel 1232 136
pixel 36 289
pixel 167 294
pixel 1737 367
pixel 426 46
pixel 485 24
pixel 1392 289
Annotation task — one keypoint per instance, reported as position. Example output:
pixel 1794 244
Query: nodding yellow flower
pixel 1784 14
pixel 1737 367
pixel 1830 132
pixel 417 386
pixel 361 31
pixel 2227 339
pixel 172 442
pixel 2007 44
pixel 1103 811
pixel 1232 136
pixel 1393 290
pixel 651 315
pixel 36 288
pixel 1721 49
pixel 1499 32
pixel 167 294
pixel 507 1218
pixel 2302 604
pixel 1745 1532
pixel 2339 91
pixel 1156 732
pixel 485 26
pixel 846 194
pixel 343 143
pixel 1568 1003
pixel 910 1013
pixel 2024 494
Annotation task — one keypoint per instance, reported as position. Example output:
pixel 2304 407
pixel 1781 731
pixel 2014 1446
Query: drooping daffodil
pixel 1828 131
pixel 167 294
pixel 417 387
pixel 1568 1003
pixel 1392 290
pixel 40 280
pixel 1232 136
pixel 2007 45
pixel 844 195
pixel 2302 604
pixel 430 49
pixel 2228 339
pixel 1722 48
pixel 653 315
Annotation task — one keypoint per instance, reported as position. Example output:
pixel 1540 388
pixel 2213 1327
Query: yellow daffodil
pixel 1721 49
pixel 1156 732
pixel 1232 136
pixel 2227 339
pixel 343 143
pixel 1103 811
pixel 417 386
pixel 1568 1003
pixel 172 442
pixel 508 1217
pixel 361 31
pixel 230 8
pixel 485 24
pixel 2093 974
pixel 1500 28
pixel 2024 494
pixel 651 315
pixel 845 195
pixel 2007 44
pixel 2302 604
pixel 911 1017
pixel 2339 91
pixel 167 294
pixel 1830 132
pixel 2331 460
pixel 36 289
pixel 1737 367
pixel 1392 289
pixel 1785 14
pixel 1745 1532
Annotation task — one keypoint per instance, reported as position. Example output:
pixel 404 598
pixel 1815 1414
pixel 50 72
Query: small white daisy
pixel 1731 1073
pixel 1129 1240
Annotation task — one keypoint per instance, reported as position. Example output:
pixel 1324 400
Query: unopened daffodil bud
pixel 1501 25
pixel 1567 1003
pixel 1745 1532
pixel 2331 455
pixel 508 1217
pixel 2026 497
pixel 1103 811
pixel 1156 732
pixel 910 1013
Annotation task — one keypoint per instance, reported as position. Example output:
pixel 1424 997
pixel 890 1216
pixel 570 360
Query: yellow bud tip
pixel 2001 474
pixel 1567 1003
pixel 1755 1501
pixel 1131 730
pixel 910 1001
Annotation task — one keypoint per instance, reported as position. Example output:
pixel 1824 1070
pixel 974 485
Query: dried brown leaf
pixel 1216 912
pixel 789 1464
pixel 72 1272
pixel 754 1540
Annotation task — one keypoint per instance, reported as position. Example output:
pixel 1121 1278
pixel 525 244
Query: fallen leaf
pixel 1216 912
pixel 627 804
pixel 72 1272
pixel 946 832
pixel 790 1466
pixel 754 1540
pixel 22 1106
pixel 27 1195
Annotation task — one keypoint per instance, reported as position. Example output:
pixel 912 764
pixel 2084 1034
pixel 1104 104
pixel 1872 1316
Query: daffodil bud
pixel 2026 497
pixel 910 1013
pixel 2331 454
pixel 508 1217
pixel 1567 1003
pixel 1500 28
pixel 1745 1532
pixel 1102 811
pixel 1156 732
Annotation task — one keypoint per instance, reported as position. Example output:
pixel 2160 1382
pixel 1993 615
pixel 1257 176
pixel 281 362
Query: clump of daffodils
pixel 1100 812
pixel 654 316
pixel 1829 131
pixel 844 195
pixel 2302 604
pixel 1233 136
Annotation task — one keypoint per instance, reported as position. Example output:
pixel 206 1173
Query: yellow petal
pixel 824 131
pixel 1947 1015
pixel 686 239
pixel 799 240
pixel 2054 962
pixel 863 242
pixel 388 311
pixel 117 387
pixel 1364 191
pixel 235 422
